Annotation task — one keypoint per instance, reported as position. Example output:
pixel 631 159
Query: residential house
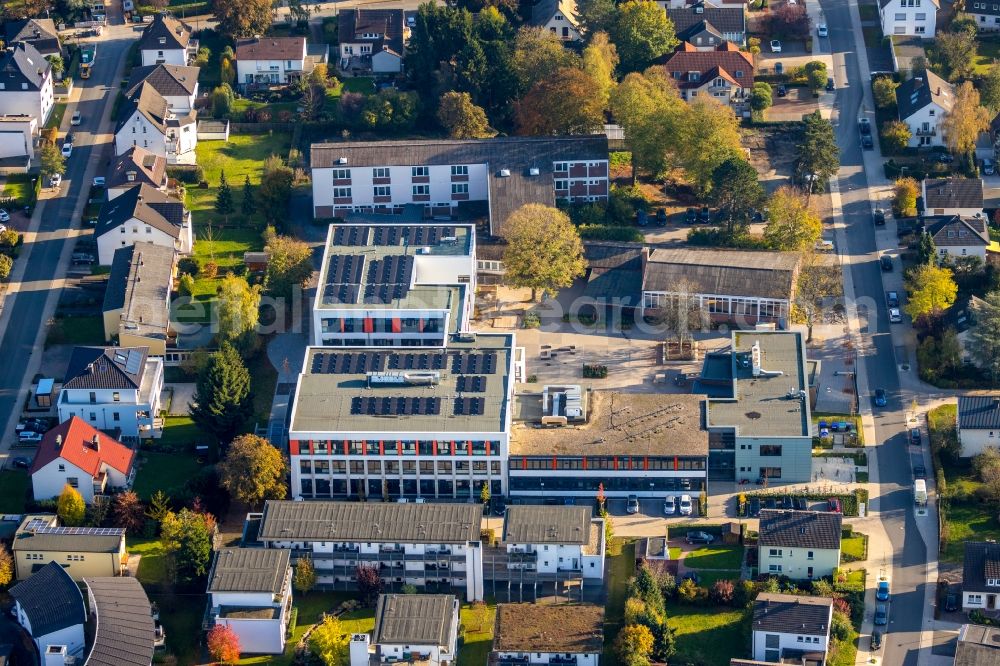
pixel 134 167
pixel 433 546
pixel 250 591
pixel 706 28
pixel 75 454
pixel 270 61
pixel 79 551
pixel 124 629
pixel 963 316
pixel 26 87
pixel 113 388
pixel 177 84
pixel 559 17
pixel 724 74
pixel 136 306
pixel 433 422
pixel 909 17
pixel 552 453
pixel 552 542
pixel 148 120
pixel 449 177
pixel 166 41
pixel 951 196
pixel 978 423
pixel 410 628
pixel 922 101
pixel 50 608
pixel 678 4
pixel 743 287
pixel 977 645
pixel 956 236
pixel 981 576
pixel 372 40
pixel 17 138
pixel 570 634
pixel 426 295
pixel 756 439
pixel 41 33
pixel 142 214
pixel 791 627
pixel 986 14
pixel 802 545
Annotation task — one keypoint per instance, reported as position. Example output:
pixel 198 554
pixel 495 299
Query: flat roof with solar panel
pixel 401 266
pixel 465 387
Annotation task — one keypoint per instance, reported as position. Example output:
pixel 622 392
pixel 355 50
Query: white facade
pixel 176 144
pixel 798 563
pixel 135 230
pixel 986 14
pixel 564 558
pixel 132 411
pixel 181 104
pixel 165 56
pixel 37 103
pixel 765 643
pixel 72 637
pixel 17 136
pixel 981 600
pixel 270 71
pixel 925 126
pixel 973 441
pixel 560 26
pixel 258 635
pixel 909 17
pixel 560 658
pixel 48 482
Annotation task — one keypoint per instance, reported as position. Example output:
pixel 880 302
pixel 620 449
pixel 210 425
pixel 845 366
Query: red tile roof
pixel 78 448
pixel 709 64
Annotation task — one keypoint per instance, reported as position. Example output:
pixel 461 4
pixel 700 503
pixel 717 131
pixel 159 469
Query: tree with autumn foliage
pixel 967 119
pixel 543 250
pixel 568 102
pixel 253 470
pixel 127 511
pixel 70 506
pixel 223 644
pixel 369 582
pixel 634 645
pixel 6 566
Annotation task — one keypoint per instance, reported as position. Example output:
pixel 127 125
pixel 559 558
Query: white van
pixel 920 492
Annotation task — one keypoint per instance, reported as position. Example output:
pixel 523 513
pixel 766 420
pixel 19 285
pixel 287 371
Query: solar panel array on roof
pixel 388 279
pixel 395 406
pixel 133 363
pixel 469 406
pixel 350 236
pixel 347 363
pixel 416 361
pixel 468 384
pixel 419 235
pixel 89 531
pixel 474 364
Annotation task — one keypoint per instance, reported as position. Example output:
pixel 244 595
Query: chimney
pixel 58 441
pixel 130 175
pixel 97 443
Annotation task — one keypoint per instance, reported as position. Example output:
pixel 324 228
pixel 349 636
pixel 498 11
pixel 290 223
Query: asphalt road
pixel 17 344
pixel 909 554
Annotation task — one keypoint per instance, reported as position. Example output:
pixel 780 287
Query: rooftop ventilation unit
pixel 403 378
pixel 504 173
pixel 341 160
pixel 533 171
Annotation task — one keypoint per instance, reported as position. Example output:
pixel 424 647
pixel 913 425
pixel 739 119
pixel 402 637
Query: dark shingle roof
pixel 414 619
pixel 175 34
pixel 106 368
pixel 370 522
pixel 786 613
pixel 722 272
pixel 800 529
pixel 979 412
pixel 615 271
pixel 988 8
pixel 249 570
pixel 146 204
pixel 920 91
pixel 726 61
pixel 547 524
pixel 168 80
pixel 725 19
pixel 981 562
pixel 955 231
pixel 124 623
pixel 50 599
pixel 543 11
pixel 978 645
pixel 148 168
pixel 271 48
pixel 695 30
pixel 23 65
pixel 139 285
pixel 352 23
pixel 40 33
pixel 953 193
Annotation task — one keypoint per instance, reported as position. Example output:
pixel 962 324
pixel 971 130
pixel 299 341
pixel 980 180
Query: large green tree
pixel 642 32
pixel 543 249
pixel 462 118
pixel 954 54
pixel 792 224
pixel 817 155
pixel 243 18
pixel 736 191
pixel 600 59
pixel 222 401
pixel 52 160
pixel 931 289
pixel 275 190
pixel 538 55
pixel 70 506
pixel 984 338
pixel 289 264
pixel 989 89
pixel 224 198
pixel 186 537
pixel 649 109
pixel 253 471
pixel 237 311
pixel 567 102
pixel 596 15
pixel 707 135
pixel 967 119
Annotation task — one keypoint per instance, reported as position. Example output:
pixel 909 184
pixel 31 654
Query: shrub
pixel 185 286
pixel 723 591
pixel 9 238
pixel 840 628
pixel 188 265
pixel 192 175
pixel 592 371
pixel 690 593
pixel 210 269
pixel 610 233
pixel 531 320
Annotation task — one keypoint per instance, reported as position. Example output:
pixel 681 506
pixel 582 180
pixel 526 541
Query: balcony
pixel 926 131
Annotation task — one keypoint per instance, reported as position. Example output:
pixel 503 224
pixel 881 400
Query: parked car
pixel 33 425
pixel 67 147
pixel 915 436
pixel 951 602
pixel 824 246
pixel 892 299
pixel 76 119
pixel 944 158
pixel 632 504
pixel 880 399
pixel 762 215
pixel 83 258
pixel 919 472
pixel 882 590
pixel 830 85
pixel 881 615
pixel 99 181
pixel 4 215
pixel 704 215
pixel 895 316
pixel 26 436
pixel 864 126
pixel 800 503
pixel 833 504
pixel 989 167
pixel 876 640
pixel 661 217
pixel 754 506
pixel 866 142
pixel 775 46
pixel 21 462
pixel 878 217
pixel 669 505
pixel 885 261
pixel 684 506
pixel 782 90
pixel 691 216
pixel 55 180
pixel 699 537
pixel 641 218
pixel 822 30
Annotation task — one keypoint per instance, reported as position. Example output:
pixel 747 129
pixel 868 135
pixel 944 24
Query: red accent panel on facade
pixel 342 200
pixel 341 181
pixel 381 181
pixel 293 447
pixel 368 325
pixel 578 189
pixel 597 171
pixel 578 170
pixel 397 325
pixel 421 179
pixel 459 179
pixel 676 463
pixel 600 189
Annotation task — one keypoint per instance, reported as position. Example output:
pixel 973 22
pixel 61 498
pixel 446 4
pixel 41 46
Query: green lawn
pixel 76 331
pixel 987 51
pixel 13 491
pixel 620 568
pixel 709 636
pixel 164 471
pixel 715 557
pixel 181 433
pixel 181 615
pixel 310 607
pixel 58 111
pixel 18 187
pixel 966 521
pixel 475 650
pixel 152 565
pixel 852 549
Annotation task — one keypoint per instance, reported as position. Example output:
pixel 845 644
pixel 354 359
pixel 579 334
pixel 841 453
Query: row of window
pixel 69 558
pixel 778 552
pixel 415 172
pixel 918 17
pixel 668 463
pixel 565 184
pixel 377 467
pixel 611 483
pixel 734 305
pixel 428 488
pixel 917 30
pixel 429 341
pixel 381 325
pixel 374 447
